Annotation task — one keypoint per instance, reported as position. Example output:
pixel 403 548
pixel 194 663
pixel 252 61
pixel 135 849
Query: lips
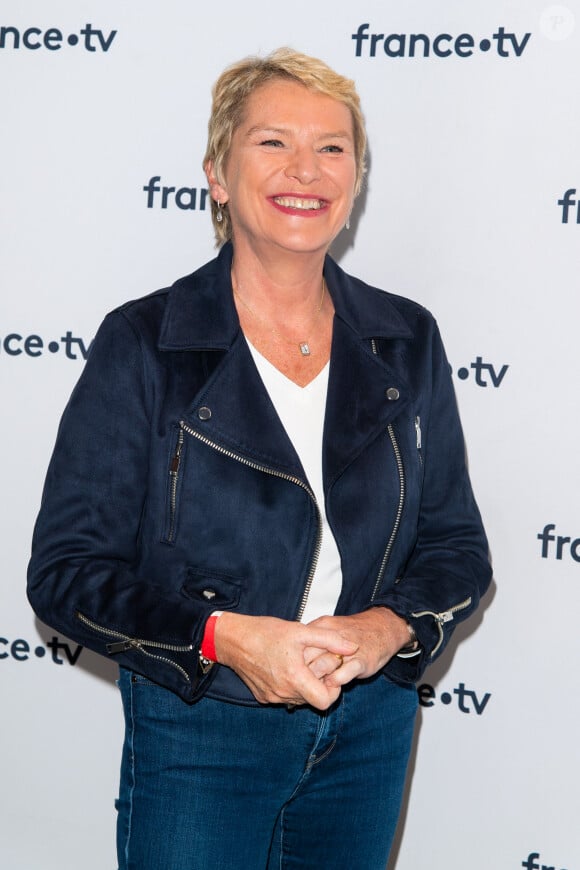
pixel 299 203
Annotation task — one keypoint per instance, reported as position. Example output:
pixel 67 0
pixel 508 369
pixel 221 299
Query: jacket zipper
pixel 401 504
pixel 124 642
pixel 173 481
pixel 397 523
pixel 284 476
pixel 446 615
pixel 418 433
pixel 442 618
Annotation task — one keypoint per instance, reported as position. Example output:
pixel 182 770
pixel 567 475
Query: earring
pixel 219 216
pixel 347 224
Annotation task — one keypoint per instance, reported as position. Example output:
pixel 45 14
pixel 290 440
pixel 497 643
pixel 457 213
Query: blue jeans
pixel 222 786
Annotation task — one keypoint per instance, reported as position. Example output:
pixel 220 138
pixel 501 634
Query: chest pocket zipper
pixel 419 439
pixel 174 473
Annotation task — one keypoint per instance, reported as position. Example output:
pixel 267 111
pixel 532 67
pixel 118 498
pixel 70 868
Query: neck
pixel 277 282
pixel 284 310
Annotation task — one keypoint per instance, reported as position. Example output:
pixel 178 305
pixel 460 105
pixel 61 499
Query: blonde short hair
pixel 239 81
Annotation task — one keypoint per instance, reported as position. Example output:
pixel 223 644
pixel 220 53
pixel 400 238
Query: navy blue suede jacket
pixel 174 490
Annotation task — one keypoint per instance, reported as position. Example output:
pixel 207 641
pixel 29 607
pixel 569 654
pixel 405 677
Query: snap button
pixel 208 594
pixel 392 394
pixel 204 413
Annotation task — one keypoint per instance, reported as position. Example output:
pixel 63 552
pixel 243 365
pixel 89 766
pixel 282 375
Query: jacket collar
pixel 201 314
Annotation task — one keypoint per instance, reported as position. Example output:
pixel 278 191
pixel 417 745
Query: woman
pixel 258 505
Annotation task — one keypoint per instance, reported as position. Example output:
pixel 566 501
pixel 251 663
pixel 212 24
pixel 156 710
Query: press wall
pixel 471 208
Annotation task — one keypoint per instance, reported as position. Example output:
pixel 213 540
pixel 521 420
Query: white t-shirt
pixel 301 410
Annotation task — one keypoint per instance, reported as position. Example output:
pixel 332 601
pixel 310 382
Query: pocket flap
pixel 212 587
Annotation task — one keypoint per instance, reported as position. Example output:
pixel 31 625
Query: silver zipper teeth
pixel 274 473
pixel 174 475
pixel 442 618
pixel 126 642
pixel 400 506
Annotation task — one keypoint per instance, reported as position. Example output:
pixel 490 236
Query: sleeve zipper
pixel 124 642
pixel 441 619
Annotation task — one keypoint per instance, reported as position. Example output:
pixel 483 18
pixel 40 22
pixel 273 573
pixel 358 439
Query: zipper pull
pixel 177 456
pixel 446 616
pixel 121 646
pixel 418 431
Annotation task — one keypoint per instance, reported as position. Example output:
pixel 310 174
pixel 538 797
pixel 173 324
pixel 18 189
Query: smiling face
pixel 290 173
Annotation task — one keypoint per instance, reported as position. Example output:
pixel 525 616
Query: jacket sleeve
pixel 82 576
pixel 449 569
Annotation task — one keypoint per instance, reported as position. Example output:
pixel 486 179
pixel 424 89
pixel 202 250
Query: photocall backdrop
pixel 471 208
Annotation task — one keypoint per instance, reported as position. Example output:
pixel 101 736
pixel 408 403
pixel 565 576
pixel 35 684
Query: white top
pixel 301 410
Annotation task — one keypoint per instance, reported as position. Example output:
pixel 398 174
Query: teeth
pixel 295 202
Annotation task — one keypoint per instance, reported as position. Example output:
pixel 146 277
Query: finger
pixel 315 692
pixel 325 699
pixel 291 684
pixel 350 670
pixel 326 664
pixel 330 640
pixel 311 653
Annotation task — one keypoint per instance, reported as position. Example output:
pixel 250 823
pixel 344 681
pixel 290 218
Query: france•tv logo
pixel 20 650
pixel 562 544
pixel 532 862
pixel 484 373
pixel 569 204
pixel 502 43
pixel 185 198
pixel 54 39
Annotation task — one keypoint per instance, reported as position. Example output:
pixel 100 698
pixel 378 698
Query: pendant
pixel 304 348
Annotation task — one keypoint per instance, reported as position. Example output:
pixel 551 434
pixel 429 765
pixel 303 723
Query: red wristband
pixel 207 648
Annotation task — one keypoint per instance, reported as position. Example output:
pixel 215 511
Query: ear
pixel 217 191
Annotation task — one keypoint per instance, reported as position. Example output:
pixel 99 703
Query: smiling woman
pixel 288 183
pixel 258 505
pixel 304 169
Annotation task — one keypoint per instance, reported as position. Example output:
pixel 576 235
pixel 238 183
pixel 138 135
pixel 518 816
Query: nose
pixel 303 165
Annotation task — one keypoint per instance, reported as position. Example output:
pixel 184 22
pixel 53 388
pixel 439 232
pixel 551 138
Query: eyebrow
pixel 265 128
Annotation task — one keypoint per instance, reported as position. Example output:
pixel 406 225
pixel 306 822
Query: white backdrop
pixel 472 148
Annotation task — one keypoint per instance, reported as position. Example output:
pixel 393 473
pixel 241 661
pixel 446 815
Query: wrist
pixel 396 626
pixel 207 652
pixel 232 633
pixel 411 647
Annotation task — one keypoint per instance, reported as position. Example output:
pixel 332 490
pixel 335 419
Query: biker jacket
pixel 174 490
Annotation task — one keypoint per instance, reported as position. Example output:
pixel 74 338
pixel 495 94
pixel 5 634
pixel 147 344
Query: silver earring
pixel 347 224
pixel 219 216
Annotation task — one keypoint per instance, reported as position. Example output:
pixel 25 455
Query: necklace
pixel 303 346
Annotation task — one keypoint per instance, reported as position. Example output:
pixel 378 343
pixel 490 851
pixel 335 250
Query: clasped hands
pixel 285 662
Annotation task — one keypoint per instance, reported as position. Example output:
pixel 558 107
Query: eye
pixel 274 143
pixel 333 149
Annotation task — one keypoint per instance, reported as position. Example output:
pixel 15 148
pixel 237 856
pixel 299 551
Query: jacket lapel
pixel 364 396
pixel 234 411
pixel 364 392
